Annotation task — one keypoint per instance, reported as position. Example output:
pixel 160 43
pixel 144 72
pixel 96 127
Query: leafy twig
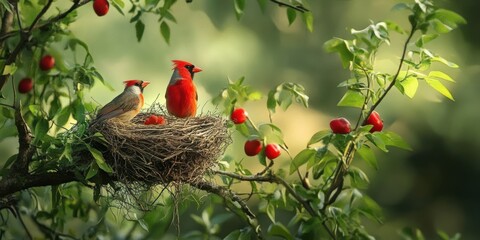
pixel 4 34
pixel 299 8
pixel 275 179
pixel 337 183
pixel 395 78
pixel 227 194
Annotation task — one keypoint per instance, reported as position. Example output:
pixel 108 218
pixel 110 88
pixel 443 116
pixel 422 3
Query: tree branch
pixel 14 183
pixel 227 194
pixel 25 150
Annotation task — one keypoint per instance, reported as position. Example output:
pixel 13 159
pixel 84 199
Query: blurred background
pixel 432 187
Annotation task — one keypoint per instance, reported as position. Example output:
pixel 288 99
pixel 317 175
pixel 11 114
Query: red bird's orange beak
pixel 197 69
pixel 145 83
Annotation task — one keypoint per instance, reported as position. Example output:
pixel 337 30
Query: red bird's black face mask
pixel 190 70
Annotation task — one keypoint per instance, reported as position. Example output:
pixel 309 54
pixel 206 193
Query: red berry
pixel 252 147
pixel 101 7
pixel 239 116
pixel 25 85
pixel 272 151
pixel 151 120
pixel 47 62
pixel 375 120
pixel 160 120
pixel 340 126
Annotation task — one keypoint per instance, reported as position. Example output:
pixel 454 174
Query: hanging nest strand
pixel 181 150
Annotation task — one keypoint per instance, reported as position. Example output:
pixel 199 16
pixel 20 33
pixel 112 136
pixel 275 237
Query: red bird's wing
pixel 121 104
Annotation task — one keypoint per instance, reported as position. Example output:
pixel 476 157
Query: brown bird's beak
pixel 145 83
pixel 197 69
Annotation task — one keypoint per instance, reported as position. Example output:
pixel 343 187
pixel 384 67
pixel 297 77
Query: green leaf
pixel 319 136
pixel 368 155
pixel 291 15
pixel 440 27
pixel 271 132
pixel 92 171
pixel 271 212
pixel 262 4
pixel 41 129
pixel 439 87
pixel 152 3
pixel 78 111
pixel 400 6
pixel 98 156
pixel 7 112
pixel 120 3
pixel 271 102
pixel 410 86
pixel 352 99
pixel 444 61
pixel 139 29
pixel 301 158
pixel 9 69
pixel 279 230
pixel 359 178
pixel 9 161
pixel 441 75
pixel 392 139
pixel 308 18
pixel 424 39
pixel 449 17
pixel 243 234
pixel 342 47
pixel 239 7
pixel 6 5
pixel 393 26
pixel 36 110
pixel 165 30
pixel 378 141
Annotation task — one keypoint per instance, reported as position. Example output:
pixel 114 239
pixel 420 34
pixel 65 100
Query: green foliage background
pixel 433 187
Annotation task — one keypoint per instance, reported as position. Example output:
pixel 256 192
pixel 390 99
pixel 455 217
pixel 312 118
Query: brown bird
pixel 126 105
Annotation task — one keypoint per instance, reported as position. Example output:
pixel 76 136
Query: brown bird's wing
pixel 121 104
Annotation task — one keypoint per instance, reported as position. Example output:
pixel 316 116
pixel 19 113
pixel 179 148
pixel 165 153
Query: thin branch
pixel 23 223
pixel 19 22
pixel 299 8
pixel 6 105
pixel 49 231
pixel 227 194
pixel 365 102
pixel 40 15
pixel 270 165
pixel 395 78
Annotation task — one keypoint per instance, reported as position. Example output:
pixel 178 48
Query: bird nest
pixel 180 150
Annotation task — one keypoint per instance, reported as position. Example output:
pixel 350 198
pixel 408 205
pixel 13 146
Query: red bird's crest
pixel 180 63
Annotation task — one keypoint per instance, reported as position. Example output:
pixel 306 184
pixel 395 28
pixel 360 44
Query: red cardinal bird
pixel 181 93
pixel 126 105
